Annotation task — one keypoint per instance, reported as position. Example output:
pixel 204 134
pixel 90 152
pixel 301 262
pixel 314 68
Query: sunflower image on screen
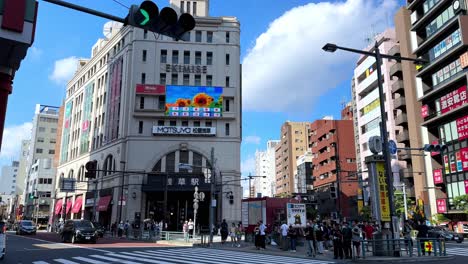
pixel 297 219
pixel 197 101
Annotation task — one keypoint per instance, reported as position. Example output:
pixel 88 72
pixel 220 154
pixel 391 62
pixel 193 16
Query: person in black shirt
pixel 337 237
pixel 422 235
pixel 310 237
pixel 347 236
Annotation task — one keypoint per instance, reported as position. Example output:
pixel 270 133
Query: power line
pixel 120 3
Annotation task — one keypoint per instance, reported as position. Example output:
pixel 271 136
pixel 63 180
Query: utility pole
pixel 122 164
pixel 212 194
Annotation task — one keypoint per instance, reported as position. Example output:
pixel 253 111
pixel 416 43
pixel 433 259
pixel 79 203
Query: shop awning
pixel 77 206
pixel 104 203
pixel 58 206
pixel 69 205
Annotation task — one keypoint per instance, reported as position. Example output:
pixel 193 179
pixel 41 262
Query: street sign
pixel 392 147
pixel 67 184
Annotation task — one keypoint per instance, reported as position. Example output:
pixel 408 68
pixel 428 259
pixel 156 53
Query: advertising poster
pixel 255 212
pixel 296 214
pixel 446 165
pixel 437 176
pixel 453 99
pixel 383 193
pixel 458 161
pixel 194 101
pixel 464 159
pixel 424 111
pixel 462 128
pixel 453 166
pixel 441 206
pixel 466 186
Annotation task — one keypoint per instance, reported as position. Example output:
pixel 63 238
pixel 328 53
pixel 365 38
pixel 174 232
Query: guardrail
pixel 398 247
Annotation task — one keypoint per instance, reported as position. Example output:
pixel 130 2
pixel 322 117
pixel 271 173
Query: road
pixel 45 248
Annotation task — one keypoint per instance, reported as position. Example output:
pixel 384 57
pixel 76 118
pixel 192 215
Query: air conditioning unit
pixel 458 5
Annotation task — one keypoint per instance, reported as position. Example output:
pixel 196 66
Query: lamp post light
pixel 330 47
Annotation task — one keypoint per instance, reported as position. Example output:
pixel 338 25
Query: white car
pixel 2 240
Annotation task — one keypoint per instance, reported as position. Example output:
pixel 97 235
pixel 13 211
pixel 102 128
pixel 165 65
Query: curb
pixel 402 260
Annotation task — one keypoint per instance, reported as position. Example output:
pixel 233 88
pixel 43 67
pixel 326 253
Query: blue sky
pixel 303 82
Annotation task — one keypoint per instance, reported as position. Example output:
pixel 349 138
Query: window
pixel 163 56
pixel 209 80
pixel 143 78
pixel 40 140
pixel 227 105
pixel 198 35
pixel 208 123
pixel 162 78
pixel 186 57
pixel 173 123
pixel 39 150
pixel 209 58
pixel 227 37
pixel 228 84
pixel 140 127
pixel 209 36
pixel 51 151
pixel 196 123
pixel 228 59
pixel 188 7
pixel 144 55
pixel 160 122
pixel 227 129
pixel 175 57
pixel 162 102
pixel 198 57
pixel 194 8
pixel 142 102
pixel 185 123
pixel 145 34
pixel 182 7
pixel 41 129
pixel 186 80
pixel 197 80
pixel 53 130
pixel 174 79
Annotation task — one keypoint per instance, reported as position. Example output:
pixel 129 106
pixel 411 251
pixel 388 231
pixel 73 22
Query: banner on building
pixel 464 159
pixel 437 173
pixel 424 111
pixel 383 192
pixel 462 128
pixel 296 214
pixel 453 100
pixel 466 186
pixel 441 206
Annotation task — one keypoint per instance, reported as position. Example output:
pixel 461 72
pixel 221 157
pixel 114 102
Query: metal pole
pixel 404 201
pixel 386 156
pixel 165 202
pixel 212 194
pixel 250 186
pixel 95 200
pixel 122 190
pixel 86 10
pixel 64 207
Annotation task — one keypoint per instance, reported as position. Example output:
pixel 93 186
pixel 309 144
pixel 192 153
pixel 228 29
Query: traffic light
pixel 333 193
pixel 33 195
pixel 148 17
pixel 231 199
pixel 435 147
pixel 91 167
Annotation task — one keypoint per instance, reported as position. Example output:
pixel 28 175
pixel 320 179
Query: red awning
pixel 69 205
pixel 104 203
pixel 77 206
pixel 58 206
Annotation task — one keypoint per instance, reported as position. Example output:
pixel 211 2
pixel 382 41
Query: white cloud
pixel 252 140
pixel 287 70
pixel 34 53
pixel 64 70
pixel 12 137
pixel 248 166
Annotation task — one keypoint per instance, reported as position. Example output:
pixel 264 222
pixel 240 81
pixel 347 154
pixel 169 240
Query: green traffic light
pixel 146 15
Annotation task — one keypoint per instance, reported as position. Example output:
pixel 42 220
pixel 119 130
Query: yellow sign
pixel 374 104
pixel 360 205
pixel 428 247
pixel 383 192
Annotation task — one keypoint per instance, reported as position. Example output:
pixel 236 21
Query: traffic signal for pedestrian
pixel 147 16
pixel 333 193
pixel 91 167
pixel 231 199
pixel 435 148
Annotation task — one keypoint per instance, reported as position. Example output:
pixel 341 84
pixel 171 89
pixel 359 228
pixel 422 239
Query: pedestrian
pixel 121 229
pixel 407 235
pixel 356 238
pixel 319 238
pixel 232 234
pixel 185 229
pixel 113 229
pixel 337 237
pixel 422 235
pixel 310 234
pixel 190 228
pixel 292 234
pixel 224 231
pixel 347 237
pixel 239 232
pixel 262 229
pixel 284 236
pixel 126 228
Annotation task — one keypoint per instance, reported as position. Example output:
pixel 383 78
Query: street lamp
pixel 250 177
pixel 330 47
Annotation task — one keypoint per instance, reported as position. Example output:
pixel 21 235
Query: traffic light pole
pixel 86 10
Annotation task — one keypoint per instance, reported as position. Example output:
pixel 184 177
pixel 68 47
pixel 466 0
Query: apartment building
pixel 144 102
pixel 265 166
pixel 439 35
pixel 294 142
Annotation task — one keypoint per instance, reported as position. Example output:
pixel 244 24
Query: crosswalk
pixel 183 256
pixel 457 251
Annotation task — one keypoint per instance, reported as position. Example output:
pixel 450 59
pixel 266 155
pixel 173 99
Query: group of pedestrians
pixel 120 230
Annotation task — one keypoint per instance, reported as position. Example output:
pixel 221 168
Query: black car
pixel 99 229
pixel 25 227
pixel 78 231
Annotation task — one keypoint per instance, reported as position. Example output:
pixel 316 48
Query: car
pixel 77 230
pixel 445 233
pixel 99 229
pixel 2 240
pixel 25 227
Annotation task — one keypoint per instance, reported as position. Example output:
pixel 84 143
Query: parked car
pixel 99 229
pixel 25 227
pixel 2 239
pixel 78 231
pixel 445 233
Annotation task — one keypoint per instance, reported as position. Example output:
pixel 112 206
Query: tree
pixel 365 213
pixel 461 203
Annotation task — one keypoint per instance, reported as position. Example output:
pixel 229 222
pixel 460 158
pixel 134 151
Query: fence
pixel 402 247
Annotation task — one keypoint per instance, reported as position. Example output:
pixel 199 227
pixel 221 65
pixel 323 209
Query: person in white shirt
pixel 262 230
pixel 284 236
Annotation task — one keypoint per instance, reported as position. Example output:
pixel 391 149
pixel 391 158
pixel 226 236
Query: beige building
pixel 294 142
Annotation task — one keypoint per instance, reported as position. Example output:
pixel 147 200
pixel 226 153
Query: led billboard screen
pixel 194 101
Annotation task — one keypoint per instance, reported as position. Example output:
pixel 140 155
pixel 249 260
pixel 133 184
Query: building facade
pixel 147 103
pixel 40 173
pixel 303 175
pixel 265 166
pixel 334 168
pixel 439 34
pixel 8 179
pixel 368 102
pixel 293 143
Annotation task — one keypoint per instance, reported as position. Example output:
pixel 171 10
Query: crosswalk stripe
pixel 200 259
pixel 88 260
pixel 64 261
pixel 40 262
pixel 114 259
pixel 135 256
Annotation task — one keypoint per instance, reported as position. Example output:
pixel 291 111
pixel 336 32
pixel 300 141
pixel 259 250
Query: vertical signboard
pixel 383 192
pixel 462 128
pixel 446 164
pixel 66 131
pixel 296 214
pixel 245 214
pixel 441 206
pixel 464 159
pixel 86 122
pixel 437 173
pixel 424 111
pixel 113 94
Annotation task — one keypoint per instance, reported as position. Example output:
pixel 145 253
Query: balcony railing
pixel 401 119
pixel 398 86
pixel 403 136
pixel 395 50
pixel 395 70
pixel 399 103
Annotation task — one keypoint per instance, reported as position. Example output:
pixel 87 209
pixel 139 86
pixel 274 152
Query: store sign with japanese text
pixel 463 159
pixel 462 127
pixel 441 206
pixel 438 176
pixel 184 131
pixel 464 60
pixel 446 164
pixel 454 99
pixel 151 89
pixel 424 111
pixel 383 192
pixel 181 181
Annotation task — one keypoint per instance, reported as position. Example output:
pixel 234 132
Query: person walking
pixel 347 237
pixel 337 237
pixel 262 229
pixel 309 235
pixel 190 228
pixel 239 232
pixel 292 234
pixel 113 229
pixel 407 235
pixel 185 229
pixel 319 237
pixel 356 238
pixel 232 234
pixel 284 236
pixel 224 231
